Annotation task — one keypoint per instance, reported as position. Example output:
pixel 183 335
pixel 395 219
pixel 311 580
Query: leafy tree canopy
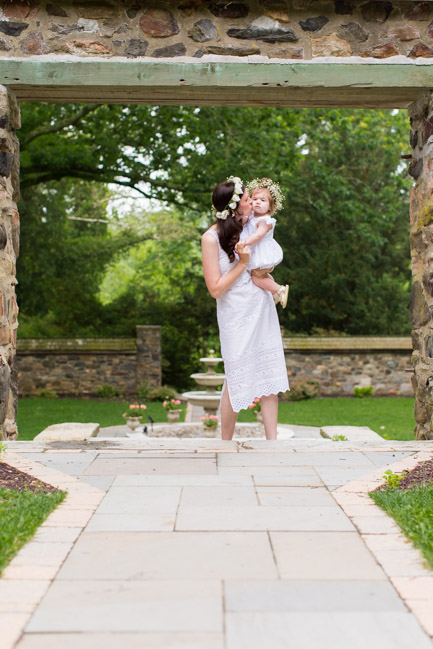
pixel 343 228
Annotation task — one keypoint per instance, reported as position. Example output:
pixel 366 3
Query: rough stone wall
pixel 421 219
pixel 272 28
pixel 9 248
pixel 148 366
pixel 77 367
pixel 339 373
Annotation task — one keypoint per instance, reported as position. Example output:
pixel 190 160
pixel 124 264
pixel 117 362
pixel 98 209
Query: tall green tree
pixel 344 226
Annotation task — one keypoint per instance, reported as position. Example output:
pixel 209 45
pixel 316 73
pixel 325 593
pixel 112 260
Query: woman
pixel 251 344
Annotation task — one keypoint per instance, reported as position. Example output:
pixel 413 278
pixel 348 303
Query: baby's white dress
pixel 250 335
pixel 266 253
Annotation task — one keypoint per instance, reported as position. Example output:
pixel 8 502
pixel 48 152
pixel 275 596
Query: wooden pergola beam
pixel 308 83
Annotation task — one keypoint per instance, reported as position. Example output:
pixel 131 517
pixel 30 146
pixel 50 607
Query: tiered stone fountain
pixel 208 399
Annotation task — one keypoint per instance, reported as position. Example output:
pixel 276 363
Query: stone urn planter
pixel 209 431
pixel 173 415
pixel 133 423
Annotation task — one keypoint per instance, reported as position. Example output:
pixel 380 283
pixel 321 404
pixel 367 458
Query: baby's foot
pixel 281 295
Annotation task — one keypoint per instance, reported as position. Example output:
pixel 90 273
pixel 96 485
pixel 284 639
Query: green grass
pixel 413 511
pixel 21 513
pixel 390 417
pixel 36 414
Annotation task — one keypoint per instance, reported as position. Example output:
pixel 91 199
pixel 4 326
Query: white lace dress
pixel 266 253
pixel 250 335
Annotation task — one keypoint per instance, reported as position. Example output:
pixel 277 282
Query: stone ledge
pixel 75 345
pixel 352 433
pixel 348 343
pixel 70 432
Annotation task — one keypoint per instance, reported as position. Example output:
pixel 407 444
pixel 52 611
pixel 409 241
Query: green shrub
pixel 162 393
pixel 366 391
pixel 143 391
pixel 47 394
pixel 299 390
pixel 108 392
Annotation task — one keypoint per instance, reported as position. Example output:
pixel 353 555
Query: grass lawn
pixel 390 417
pixel 412 509
pixel 36 414
pixel 21 513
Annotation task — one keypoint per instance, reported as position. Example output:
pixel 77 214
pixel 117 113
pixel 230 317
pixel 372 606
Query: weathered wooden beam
pixel 365 83
pixel 193 96
pixel 365 73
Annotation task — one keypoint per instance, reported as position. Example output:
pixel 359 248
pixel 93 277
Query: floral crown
pixel 273 188
pixel 233 202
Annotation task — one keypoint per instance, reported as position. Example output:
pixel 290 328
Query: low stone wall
pixel 341 364
pixel 80 367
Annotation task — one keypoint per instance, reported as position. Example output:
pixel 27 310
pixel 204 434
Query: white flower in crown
pixel 234 200
pixel 273 188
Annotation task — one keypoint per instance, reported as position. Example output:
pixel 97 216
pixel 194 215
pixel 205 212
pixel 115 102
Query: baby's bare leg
pixel 266 283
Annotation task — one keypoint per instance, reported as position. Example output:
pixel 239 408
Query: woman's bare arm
pixel 216 283
pixel 262 229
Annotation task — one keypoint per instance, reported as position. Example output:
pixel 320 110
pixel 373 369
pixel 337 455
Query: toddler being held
pixel 266 253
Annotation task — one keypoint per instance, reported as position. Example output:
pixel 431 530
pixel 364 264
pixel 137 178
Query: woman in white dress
pixel 251 344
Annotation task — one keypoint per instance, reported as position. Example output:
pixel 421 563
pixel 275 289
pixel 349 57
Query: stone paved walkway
pixel 204 544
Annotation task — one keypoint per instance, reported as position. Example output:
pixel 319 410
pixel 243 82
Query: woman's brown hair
pixel 229 229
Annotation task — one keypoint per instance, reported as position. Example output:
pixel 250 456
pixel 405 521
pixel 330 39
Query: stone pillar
pixel 421 236
pixel 148 368
pixel 9 248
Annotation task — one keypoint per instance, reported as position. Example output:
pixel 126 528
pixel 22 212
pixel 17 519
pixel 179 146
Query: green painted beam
pixel 220 74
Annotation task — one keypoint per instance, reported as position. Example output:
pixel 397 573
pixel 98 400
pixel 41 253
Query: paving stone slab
pixel 381 458
pixel 199 496
pixel 384 630
pixel 42 554
pixel 168 555
pixel 21 595
pixel 294 459
pixel 69 463
pixel 264 475
pixel 339 475
pixel 302 595
pixel 118 640
pixel 56 534
pixel 261 518
pixel 295 497
pixel 176 606
pixel 140 500
pixel 11 625
pixel 163 466
pixel 324 555
pixel 100 482
pixel 183 481
pixel 151 521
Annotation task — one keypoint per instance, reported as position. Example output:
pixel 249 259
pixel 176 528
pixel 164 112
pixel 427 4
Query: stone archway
pixel 341 53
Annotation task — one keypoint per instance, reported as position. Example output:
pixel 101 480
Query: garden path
pixel 194 543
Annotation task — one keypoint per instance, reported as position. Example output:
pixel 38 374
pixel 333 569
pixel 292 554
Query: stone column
pixel 9 248
pixel 421 237
pixel 148 368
